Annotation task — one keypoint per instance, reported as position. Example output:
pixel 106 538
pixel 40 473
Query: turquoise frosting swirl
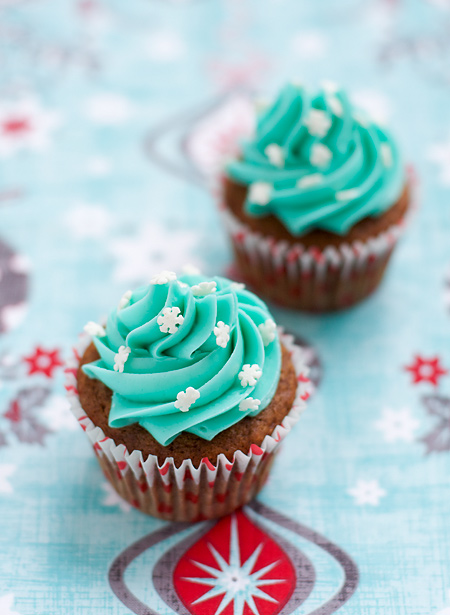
pixel 316 163
pixel 192 354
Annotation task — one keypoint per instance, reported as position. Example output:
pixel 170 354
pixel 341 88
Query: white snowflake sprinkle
pixel 185 399
pixel 386 155
pixel 367 492
pixel 259 193
pixel 164 277
pixel 320 155
pixel 169 319
pixel 204 288
pixel 336 106
pixel 249 404
pixel 275 154
pixel 250 375
pixel 318 123
pixel 397 425
pixel 125 300
pixel 121 358
pixel 237 286
pixel 309 181
pixel 347 195
pixel 222 333
pixel 268 331
pixel 94 329
pixel 189 269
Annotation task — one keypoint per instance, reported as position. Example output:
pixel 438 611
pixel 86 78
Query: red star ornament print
pixel 43 362
pixel 426 370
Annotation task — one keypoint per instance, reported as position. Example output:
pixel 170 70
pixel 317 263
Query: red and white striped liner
pixel 187 493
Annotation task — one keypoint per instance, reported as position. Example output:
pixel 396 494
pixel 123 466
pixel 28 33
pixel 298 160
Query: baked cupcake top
pixel 188 354
pixel 317 163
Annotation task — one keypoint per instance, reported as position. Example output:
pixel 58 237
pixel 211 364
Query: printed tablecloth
pixel 114 118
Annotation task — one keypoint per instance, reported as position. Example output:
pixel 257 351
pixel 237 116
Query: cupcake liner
pixel 187 493
pixel 311 279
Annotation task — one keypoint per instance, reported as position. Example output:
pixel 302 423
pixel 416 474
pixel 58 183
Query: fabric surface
pixel 114 117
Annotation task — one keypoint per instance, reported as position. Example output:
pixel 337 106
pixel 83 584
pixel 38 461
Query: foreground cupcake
pixel 185 395
pixel 316 201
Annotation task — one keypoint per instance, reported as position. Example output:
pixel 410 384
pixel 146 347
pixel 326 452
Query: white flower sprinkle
pixel 185 399
pixel 121 358
pixel 164 277
pixel 94 329
pixel 222 333
pixel 318 123
pixel 275 154
pixel 347 195
pixel 169 319
pixel 268 331
pixel 320 155
pixel 259 193
pixel 249 375
pixel 386 155
pixel 249 404
pixel 204 288
pixel 309 181
pixel 125 300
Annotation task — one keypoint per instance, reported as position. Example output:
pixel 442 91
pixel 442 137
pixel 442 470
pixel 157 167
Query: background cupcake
pixel 316 201
pixel 185 395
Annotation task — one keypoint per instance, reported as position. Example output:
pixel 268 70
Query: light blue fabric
pixel 58 536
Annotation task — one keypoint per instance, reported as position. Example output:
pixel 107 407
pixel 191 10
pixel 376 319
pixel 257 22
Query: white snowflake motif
pixel 249 375
pixel 260 193
pixel 318 123
pixel 347 195
pixel 222 333
pixel 275 154
pixel 204 288
pixel 108 108
pixel 249 404
pixel 234 579
pixel 320 155
pixel 121 358
pixel 397 425
pixel 6 605
pixel 112 498
pixel 88 221
pixel 125 300
pixel 57 415
pixel 94 329
pixel 6 470
pixel 309 181
pixel 386 155
pixel 367 492
pixel 335 106
pixel 268 331
pixel 164 277
pixel 169 319
pixel 185 399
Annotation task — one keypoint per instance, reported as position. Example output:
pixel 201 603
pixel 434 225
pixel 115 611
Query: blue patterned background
pixel 99 188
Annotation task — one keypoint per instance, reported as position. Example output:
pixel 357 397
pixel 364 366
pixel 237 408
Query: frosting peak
pixel 191 354
pixel 317 163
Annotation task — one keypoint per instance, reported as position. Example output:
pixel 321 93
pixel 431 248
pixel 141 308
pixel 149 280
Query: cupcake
pixel 185 394
pixel 315 202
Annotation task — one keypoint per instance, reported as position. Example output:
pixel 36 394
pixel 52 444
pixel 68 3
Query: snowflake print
pixel 94 329
pixel 249 375
pixel 121 358
pixel 56 414
pixel 222 333
pixel 367 492
pixel 438 440
pixel 275 155
pixel 164 277
pixel 112 498
pixel 125 300
pixel 43 362
pixel 260 193
pixel 22 417
pixel 268 330
pixel 249 404
pixel 320 155
pixel 204 288
pixel 397 425
pixel 318 123
pixel 426 370
pixel 88 221
pixel 185 399
pixel 169 319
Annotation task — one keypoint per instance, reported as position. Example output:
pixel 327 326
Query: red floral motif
pixel 426 370
pixel 234 569
pixel 43 362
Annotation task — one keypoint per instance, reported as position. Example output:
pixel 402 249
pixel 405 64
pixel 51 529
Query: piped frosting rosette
pixel 316 162
pixel 192 354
